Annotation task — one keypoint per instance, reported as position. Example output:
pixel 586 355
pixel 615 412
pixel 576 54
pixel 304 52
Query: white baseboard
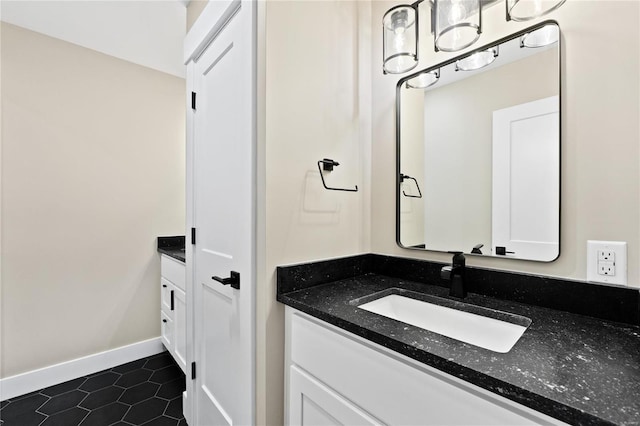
pixel 30 381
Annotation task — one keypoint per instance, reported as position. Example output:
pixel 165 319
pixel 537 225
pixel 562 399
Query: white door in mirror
pixel 526 167
pixel 607 262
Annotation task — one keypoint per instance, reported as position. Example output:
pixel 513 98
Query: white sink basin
pixel 489 333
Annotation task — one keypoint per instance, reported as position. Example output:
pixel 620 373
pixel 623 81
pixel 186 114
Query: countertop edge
pixel 174 253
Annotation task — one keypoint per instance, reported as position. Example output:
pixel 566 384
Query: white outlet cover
pixel 620 249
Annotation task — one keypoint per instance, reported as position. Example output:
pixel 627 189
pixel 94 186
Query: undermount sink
pixel 481 328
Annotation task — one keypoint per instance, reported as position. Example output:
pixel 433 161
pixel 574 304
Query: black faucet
pixel 455 275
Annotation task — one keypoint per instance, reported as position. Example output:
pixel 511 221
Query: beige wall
pixel 317 105
pixel 194 9
pixel 600 134
pixel 92 172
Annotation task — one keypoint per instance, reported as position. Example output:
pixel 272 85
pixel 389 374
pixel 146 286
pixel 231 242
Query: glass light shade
pixel 424 80
pixel 477 60
pixel 541 37
pixel 456 24
pixel 400 39
pixel 525 10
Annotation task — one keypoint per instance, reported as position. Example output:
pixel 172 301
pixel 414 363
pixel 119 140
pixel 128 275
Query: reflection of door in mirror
pixel 526 164
pixel 446 141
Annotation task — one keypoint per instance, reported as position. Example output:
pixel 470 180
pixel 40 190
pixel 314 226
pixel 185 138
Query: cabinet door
pixel 166 331
pixel 180 327
pixel 312 403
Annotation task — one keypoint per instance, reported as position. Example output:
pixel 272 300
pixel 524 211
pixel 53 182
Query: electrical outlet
pixel 606 256
pixel 606 268
pixel 607 262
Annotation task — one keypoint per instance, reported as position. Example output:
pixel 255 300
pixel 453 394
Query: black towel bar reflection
pixel 327 166
pixel 403 178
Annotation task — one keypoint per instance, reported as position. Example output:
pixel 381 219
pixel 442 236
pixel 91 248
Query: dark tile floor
pixel 143 392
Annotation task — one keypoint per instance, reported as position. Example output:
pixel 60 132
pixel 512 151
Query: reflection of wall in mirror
pixel 458 141
pixel 412 164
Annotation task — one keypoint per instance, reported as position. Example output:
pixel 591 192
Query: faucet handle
pixel 445 272
pixel 458 258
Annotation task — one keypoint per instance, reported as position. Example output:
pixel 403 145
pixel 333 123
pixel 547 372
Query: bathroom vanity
pixel 347 365
pixel 173 305
pixel 336 375
pixel 173 313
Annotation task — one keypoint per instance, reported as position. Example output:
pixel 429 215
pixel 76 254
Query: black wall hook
pixel 402 179
pixel 328 165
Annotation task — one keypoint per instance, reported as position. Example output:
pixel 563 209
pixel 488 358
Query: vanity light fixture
pixel 477 60
pixel 400 39
pixel 457 24
pixel 541 37
pixel 424 80
pixel 525 10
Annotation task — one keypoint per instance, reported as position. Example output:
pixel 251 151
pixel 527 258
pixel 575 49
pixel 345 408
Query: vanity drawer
pixel 173 270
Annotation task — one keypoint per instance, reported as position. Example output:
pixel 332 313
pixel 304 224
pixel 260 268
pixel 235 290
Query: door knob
pixel 233 280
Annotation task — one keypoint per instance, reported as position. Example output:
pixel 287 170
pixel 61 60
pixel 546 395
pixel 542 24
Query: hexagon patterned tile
pixel 143 392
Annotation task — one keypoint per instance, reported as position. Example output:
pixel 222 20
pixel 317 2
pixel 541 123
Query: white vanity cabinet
pixel 173 313
pixel 335 377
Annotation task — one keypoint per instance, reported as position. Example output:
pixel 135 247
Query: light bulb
pixel 399 21
pixel 399 41
pixel 457 12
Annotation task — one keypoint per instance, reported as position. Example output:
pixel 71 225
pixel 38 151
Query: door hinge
pixel 193 370
pixel 193 100
pixel 193 236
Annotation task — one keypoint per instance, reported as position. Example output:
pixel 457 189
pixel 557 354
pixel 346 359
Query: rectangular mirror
pixel 478 140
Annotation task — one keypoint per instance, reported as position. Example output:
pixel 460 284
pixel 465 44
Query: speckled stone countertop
pixel 172 246
pixel 578 369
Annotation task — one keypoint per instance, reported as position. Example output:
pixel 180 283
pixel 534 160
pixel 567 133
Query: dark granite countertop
pixel 578 369
pixel 172 246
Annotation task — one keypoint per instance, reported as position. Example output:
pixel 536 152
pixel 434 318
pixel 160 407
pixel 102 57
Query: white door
pixel 526 180
pixel 223 193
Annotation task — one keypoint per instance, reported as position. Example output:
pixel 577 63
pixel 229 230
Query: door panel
pixel 218 349
pixel 526 179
